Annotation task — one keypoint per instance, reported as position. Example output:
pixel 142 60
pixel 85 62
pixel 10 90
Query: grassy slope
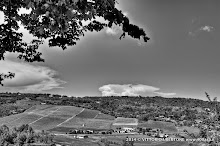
pixel 104 116
pixel 49 116
pixel 11 118
pixel 125 120
pixel 90 114
pixel 88 123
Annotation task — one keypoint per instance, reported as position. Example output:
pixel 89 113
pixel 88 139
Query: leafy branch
pixel 61 22
pixel 4 76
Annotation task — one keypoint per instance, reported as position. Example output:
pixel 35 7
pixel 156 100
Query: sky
pixel 180 60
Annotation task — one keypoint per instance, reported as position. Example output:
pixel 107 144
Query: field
pixel 45 117
pixel 23 120
pixel 47 123
pixel 88 123
pixel 8 119
pixel 125 121
pixel 88 114
pixel 68 110
pixel 166 126
pixel 38 107
pixel 62 119
pixel 45 110
pixel 42 116
pixel 64 130
pixel 104 116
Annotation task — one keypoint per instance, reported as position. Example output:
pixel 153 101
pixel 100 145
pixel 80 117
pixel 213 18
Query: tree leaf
pixel 41 30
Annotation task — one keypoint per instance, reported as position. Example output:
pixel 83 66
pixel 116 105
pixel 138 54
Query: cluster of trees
pixel 23 135
pixel 10 97
pixel 8 103
pixel 8 109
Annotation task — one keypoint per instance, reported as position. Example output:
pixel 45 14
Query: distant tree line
pixel 143 108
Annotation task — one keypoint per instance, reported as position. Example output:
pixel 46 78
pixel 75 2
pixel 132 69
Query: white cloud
pixel 114 30
pixel 165 94
pixel 206 28
pixel 201 29
pixel 125 13
pixel 29 77
pixel 111 31
pixel 131 90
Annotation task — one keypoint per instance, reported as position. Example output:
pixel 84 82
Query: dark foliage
pixel 23 135
pixel 60 22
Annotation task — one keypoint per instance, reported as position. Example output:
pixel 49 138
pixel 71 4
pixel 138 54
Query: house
pixel 123 129
pixel 127 129
pixel 161 135
pixel 106 131
pixel 82 136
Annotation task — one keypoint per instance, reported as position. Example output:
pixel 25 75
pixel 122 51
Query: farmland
pixel 125 121
pixel 45 111
pixel 88 114
pixel 104 116
pixel 166 126
pixel 44 117
pixel 47 123
pixel 23 120
pixel 62 119
pixel 88 123
pixel 8 119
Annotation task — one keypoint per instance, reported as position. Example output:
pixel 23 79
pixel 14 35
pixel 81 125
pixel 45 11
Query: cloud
pixel 201 29
pixel 206 28
pixel 125 13
pixel 165 94
pixel 114 30
pixel 29 77
pixel 131 90
pixel 111 31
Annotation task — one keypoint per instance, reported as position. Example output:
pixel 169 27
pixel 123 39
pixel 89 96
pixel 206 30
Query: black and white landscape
pixel 107 72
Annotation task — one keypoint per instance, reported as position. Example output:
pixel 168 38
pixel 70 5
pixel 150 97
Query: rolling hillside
pixel 45 117
pixel 62 119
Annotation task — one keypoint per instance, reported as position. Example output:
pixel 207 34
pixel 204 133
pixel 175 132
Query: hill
pixel 45 117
